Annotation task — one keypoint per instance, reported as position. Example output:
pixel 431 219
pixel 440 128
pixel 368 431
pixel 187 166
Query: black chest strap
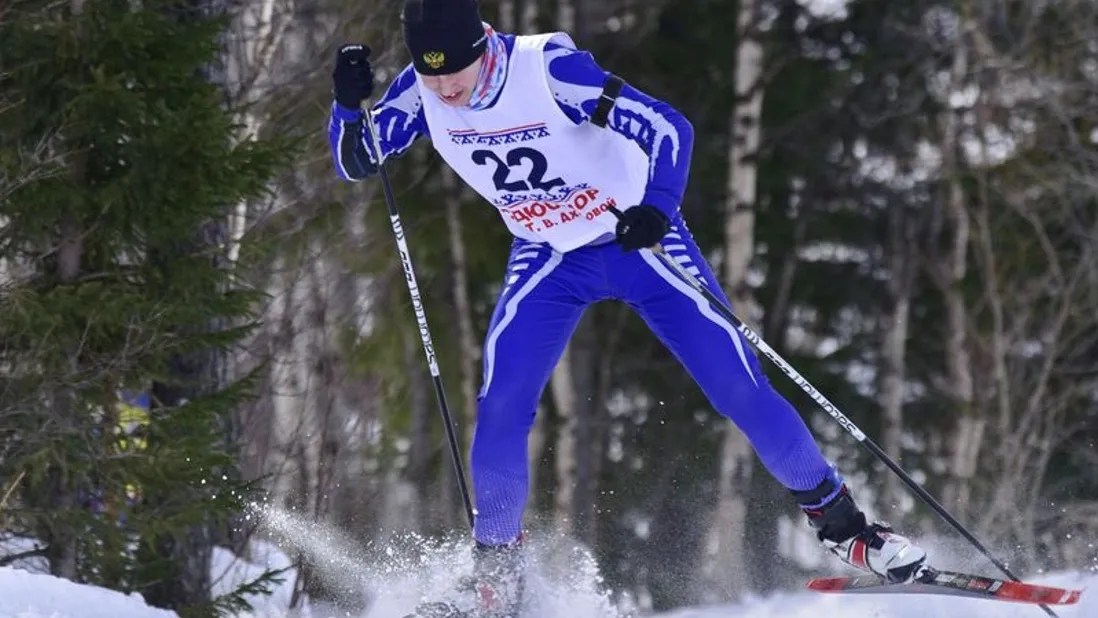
pixel 610 92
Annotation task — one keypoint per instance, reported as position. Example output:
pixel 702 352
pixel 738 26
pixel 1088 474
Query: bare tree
pixel 724 567
pixel 308 432
pixel 902 261
pixel 1017 277
pixel 572 390
pixel 949 271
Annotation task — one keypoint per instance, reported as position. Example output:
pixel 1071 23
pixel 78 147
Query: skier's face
pixel 456 88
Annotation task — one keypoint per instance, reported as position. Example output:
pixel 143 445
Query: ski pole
pixel 829 407
pixel 421 318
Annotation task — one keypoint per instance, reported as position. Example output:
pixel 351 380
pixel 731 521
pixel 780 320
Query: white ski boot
pixel 499 579
pixel 842 528
pixel 881 551
pixel 493 590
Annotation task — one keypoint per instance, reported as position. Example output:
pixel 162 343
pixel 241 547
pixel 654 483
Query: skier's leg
pixel 533 319
pixel 729 373
pixel 722 362
pixel 535 315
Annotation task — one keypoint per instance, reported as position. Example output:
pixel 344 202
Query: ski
pixel 933 581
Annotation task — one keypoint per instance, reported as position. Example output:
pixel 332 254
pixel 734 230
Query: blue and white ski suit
pixel 551 174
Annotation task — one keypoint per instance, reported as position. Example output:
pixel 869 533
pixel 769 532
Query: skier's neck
pixel 493 72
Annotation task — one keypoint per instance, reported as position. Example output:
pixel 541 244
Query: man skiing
pixel 587 173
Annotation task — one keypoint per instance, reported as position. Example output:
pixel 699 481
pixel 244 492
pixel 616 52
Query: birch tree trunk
pixel 506 19
pixel 421 451
pixel 351 503
pixel 966 439
pixel 563 391
pixel 593 435
pixel 517 16
pixel 469 349
pixel 470 353
pixel 725 568
pixel 894 348
pixel 527 13
pixel 257 33
pixel 986 260
pixel 565 396
pixel 766 493
pixel 586 430
pixel 577 401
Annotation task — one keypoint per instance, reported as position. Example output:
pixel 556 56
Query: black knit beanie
pixel 443 36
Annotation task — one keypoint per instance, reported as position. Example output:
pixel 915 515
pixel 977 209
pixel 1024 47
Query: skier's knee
pixel 501 410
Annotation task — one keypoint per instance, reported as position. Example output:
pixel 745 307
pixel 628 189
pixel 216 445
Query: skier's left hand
pixel 641 227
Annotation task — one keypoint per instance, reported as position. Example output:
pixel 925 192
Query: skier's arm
pixel 398 121
pixel 659 129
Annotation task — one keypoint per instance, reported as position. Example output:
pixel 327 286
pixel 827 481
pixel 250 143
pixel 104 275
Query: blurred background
pixel 196 314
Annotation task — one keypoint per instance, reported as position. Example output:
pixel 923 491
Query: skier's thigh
pixel 714 353
pixel 534 317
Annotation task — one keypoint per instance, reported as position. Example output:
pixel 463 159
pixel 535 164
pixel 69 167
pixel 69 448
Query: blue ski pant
pixel 544 295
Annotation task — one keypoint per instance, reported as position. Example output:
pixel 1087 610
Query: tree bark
pixel 966 439
pixel 594 432
pixel 563 391
pixel 421 452
pixel 60 487
pixel 574 387
pixel 469 351
pixel 190 553
pixel 726 568
pixel 768 497
pixel 894 348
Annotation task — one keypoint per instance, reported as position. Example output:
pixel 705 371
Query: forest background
pixel 196 314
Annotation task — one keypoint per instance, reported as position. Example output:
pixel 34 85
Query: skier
pixel 587 173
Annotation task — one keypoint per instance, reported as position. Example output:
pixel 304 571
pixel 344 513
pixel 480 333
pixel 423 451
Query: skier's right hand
pixel 352 77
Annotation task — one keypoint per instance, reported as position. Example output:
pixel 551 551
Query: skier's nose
pixel 448 86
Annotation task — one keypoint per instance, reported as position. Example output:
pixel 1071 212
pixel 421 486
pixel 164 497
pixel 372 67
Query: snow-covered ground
pixel 564 586
pixel 32 595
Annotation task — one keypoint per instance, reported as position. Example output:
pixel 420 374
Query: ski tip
pixel 1032 593
pixel 829 584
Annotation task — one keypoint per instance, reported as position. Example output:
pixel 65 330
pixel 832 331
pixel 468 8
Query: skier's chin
pixel 457 100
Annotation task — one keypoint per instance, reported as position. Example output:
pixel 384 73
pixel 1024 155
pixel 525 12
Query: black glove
pixel 352 77
pixel 641 227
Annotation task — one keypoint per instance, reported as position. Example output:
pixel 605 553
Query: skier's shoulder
pixel 403 92
pixel 568 64
pixel 564 60
pixel 550 42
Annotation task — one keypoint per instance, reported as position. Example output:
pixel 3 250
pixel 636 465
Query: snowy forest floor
pixel 568 592
pixel 30 595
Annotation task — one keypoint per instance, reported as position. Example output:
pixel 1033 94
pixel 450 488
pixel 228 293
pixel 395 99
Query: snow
pixel 565 587
pixel 34 595
pixel 229 571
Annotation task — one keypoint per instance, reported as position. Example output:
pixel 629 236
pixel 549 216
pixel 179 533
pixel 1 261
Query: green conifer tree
pixel 117 157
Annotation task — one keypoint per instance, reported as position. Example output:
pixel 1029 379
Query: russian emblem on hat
pixel 434 59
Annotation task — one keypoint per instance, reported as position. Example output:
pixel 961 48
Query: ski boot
pixel 842 527
pixel 499 579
